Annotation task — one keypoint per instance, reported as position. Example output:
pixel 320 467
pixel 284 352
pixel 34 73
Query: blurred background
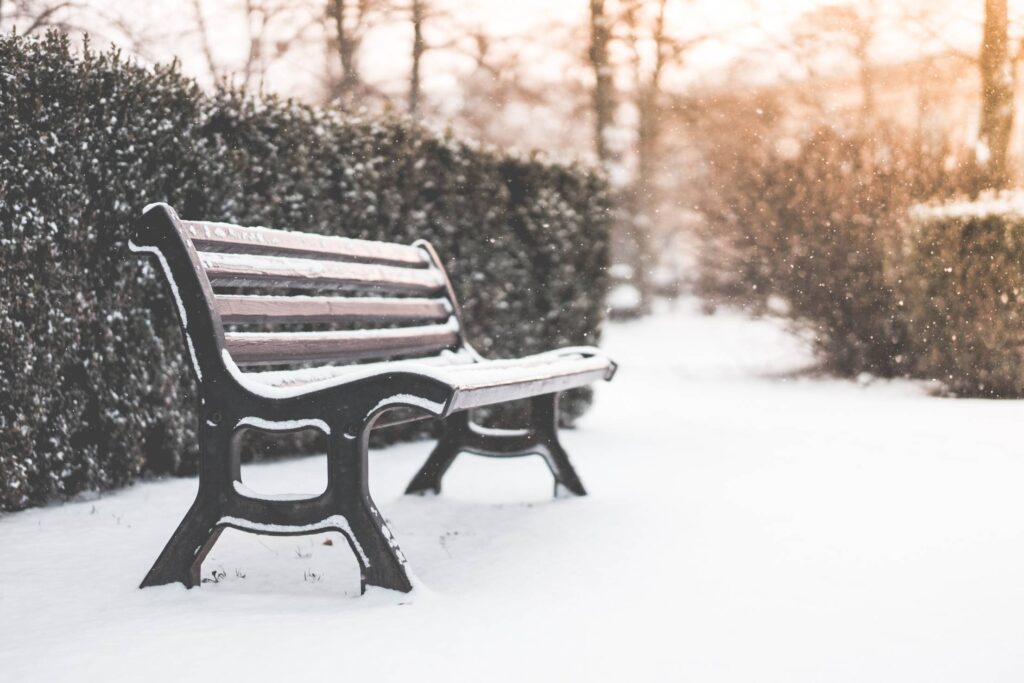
pixel 847 166
pixel 677 99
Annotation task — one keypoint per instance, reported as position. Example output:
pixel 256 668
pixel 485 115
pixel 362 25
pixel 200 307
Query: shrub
pixel 963 295
pixel 813 223
pixel 93 388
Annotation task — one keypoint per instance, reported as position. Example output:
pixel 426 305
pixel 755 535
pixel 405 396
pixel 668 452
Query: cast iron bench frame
pixel 346 405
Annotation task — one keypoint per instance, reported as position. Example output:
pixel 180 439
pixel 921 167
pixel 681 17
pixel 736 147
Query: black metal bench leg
pixel 428 479
pixel 544 411
pixel 182 558
pixel 460 434
pixel 567 482
pixel 381 561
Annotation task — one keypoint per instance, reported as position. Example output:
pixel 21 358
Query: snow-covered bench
pixel 400 355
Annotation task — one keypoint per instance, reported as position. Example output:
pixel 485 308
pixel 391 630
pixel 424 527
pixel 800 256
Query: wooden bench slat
pixel 266 348
pixel 512 384
pixel 225 237
pixel 320 373
pixel 247 270
pixel 240 309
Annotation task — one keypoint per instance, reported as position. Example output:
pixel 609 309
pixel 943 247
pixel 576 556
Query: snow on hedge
pixel 1003 204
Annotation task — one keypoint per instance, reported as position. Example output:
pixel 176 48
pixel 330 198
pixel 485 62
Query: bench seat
pixel 476 382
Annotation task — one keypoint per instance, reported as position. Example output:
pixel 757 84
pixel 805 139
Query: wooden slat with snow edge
pixel 448 365
pixel 268 348
pixel 238 309
pixel 325 373
pixel 225 237
pixel 477 383
pixel 480 385
pixel 247 270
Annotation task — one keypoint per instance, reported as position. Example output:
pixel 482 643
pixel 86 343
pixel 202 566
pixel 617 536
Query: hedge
pixel 94 391
pixel 962 295
pixel 811 222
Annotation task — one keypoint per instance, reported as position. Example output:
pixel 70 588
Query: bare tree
pixel 33 16
pixel 258 17
pixel 501 81
pixel 996 97
pixel 847 29
pixel 422 13
pixel 603 91
pixel 204 40
pixel 648 89
pixel 349 21
pixel 647 93
pixel 643 30
pixel 273 29
pixel 417 12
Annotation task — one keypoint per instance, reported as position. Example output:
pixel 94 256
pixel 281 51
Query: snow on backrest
pixel 288 298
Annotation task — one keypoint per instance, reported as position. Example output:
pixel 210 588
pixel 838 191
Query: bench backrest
pixel 368 300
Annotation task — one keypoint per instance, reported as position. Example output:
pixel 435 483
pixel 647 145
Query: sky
pixel 747 40
pixel 742 24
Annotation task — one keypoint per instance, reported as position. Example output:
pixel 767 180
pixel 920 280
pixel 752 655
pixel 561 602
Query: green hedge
pixel 94 390
pixel 962 294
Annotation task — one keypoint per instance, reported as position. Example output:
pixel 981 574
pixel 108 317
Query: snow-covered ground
pixel 742 525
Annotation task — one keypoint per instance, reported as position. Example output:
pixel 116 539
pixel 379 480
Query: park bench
pixel 396 351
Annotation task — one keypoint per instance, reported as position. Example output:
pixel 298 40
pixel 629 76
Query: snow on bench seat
pixel 475 381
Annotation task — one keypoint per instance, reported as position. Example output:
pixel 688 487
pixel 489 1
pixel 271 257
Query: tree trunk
pixel 648 101
pixel 603 99
pixel 643 200
pixel 347 47
pixel 254 60
pixel 867 79
pixel 990 153
pixel 204 37
pixel 418 48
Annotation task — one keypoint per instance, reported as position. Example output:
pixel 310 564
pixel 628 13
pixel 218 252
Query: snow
pixel 141 249
pixel 271 237
pixel 744 523
pixel 1003 203
pixel 432 407
pixel 243 490
pixel 450 325
pixel 177 297
pixel 323 373
pixel 982 152
pixel 456 369
pixel 284 425
pixel 255 264
pixel 333 522
pixel 624 297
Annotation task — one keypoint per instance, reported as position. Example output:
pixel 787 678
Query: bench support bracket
pixel 461 434
pixel 345 507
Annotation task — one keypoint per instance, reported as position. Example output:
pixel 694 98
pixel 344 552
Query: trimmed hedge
pixel 94 390
pixel 962 293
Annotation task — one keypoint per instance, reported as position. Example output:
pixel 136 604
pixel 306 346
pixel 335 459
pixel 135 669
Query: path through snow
pixel 740 527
